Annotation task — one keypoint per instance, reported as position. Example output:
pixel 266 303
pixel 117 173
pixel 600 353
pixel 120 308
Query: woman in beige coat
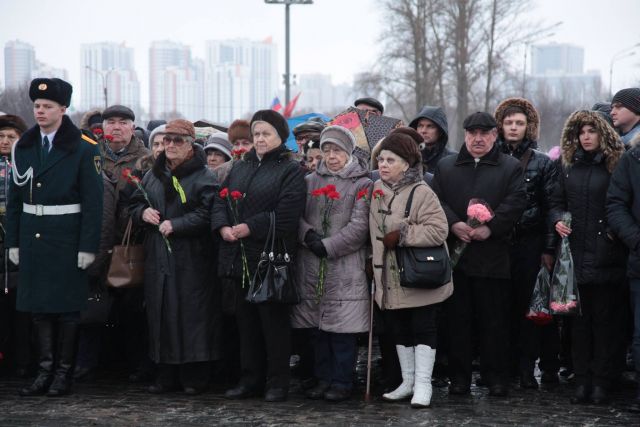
pixel 410 312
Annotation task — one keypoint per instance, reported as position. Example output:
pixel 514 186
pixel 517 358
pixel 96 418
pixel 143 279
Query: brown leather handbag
pixel 126 269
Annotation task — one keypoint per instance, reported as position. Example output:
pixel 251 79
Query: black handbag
pixel 273 279
pixel 422 268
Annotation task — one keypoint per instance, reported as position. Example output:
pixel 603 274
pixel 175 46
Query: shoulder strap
pixel 524 160
pixel 407 208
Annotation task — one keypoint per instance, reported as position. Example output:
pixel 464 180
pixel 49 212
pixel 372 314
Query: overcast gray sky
pixel 337 37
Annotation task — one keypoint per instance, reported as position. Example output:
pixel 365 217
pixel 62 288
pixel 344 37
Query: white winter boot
pixel 424 360
pixel 404 390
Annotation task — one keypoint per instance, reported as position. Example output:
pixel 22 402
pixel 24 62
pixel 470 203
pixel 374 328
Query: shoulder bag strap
pixel 524 160
pixel 407 208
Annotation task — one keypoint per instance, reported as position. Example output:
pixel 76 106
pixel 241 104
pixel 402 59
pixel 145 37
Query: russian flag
pixel 275 104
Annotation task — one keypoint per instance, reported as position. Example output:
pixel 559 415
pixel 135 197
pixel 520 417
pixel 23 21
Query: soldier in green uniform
pixel 54 214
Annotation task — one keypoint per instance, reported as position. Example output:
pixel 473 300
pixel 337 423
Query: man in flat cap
pixel 625 113
pixel 481 277
pixel 371 105
pixel 54 215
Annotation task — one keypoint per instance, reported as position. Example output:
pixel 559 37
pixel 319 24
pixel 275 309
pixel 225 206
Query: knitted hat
pixel 239 129
pixel 219 141
pixel 14 122
pixel 629 98
pixel 181 127
pixel 53 89
pixel 340 136
pixel 158 130
pixel 404 146
pixel 275 119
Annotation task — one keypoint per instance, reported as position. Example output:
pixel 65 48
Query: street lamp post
pixel 287 74
pixel 103 75
pixel 624 53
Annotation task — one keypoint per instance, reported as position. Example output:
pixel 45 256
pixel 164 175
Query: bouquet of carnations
pixel 232 198
pixel 478 213
pixel 539 312
pixel 564 288
pixel 328 194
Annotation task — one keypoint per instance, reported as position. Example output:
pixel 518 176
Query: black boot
pixel 44 335
pixel 67 336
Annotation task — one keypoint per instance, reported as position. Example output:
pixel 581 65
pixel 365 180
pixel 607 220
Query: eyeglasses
pixel 303 136
pixel 388 160
pixel 178 141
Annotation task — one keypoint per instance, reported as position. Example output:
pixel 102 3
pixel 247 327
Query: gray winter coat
pixel 344 307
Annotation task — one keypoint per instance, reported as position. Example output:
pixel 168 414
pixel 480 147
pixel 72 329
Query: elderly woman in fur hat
pixel 410 312
pixel 590 151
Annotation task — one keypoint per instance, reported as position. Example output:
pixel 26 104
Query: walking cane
pixel 367 395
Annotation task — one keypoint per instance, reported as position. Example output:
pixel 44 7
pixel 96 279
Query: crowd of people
pixel 210 205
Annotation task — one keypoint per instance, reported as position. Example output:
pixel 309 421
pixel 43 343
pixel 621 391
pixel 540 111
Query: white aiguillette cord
pixel 21 179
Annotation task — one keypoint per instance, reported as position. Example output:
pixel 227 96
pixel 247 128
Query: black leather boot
pixel 44 336
pixel 67 337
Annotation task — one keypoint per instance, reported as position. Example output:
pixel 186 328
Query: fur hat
pixel 239 129
pixel 275 119
pixel 340 136
pixel 181 127
pixel 13 122
pixel 629 98
pixel 53 89
pixel 410 132
pixel 610 143
pixel 533 119
pixel 219 141
pixel 404 146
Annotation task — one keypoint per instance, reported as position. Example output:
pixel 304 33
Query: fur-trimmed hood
pixel 533 119
pixel 84 121
pixel 610 144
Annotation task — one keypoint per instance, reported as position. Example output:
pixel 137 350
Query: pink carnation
pixel 479 212
pixel 558 307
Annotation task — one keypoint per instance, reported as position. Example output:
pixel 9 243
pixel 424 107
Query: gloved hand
pixel 14 255
pixel 312 236
pixel 391 239
pixel 85 259
pixel 317 247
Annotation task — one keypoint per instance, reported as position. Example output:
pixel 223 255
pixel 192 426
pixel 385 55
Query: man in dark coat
pixel 53 228
pixel 431 124
pixel 481 277
pixel 623 213
pixel 533 241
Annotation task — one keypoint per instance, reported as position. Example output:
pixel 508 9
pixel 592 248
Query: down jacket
pixel 344 306
pixel 623 205
pixel 425 226
pixel 598 256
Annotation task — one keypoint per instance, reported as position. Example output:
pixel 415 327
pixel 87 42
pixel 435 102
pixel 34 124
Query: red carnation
pixel 97 131
pixel 334 195
pixel 236 195
pixel 317 192
pixel 362 194
pixel 329 188
pixel 378 194
pixel 128 175
pixel 108 137
pixel 224 193
pixel 238 152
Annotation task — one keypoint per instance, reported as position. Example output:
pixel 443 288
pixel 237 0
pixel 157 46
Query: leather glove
pixel 391 239
pixel 317 247
pixel 312 236
pixel 14 255
pixel 85 259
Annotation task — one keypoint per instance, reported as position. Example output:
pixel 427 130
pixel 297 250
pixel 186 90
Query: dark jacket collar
pixel 162 173
pixel 67 137
pixel 278 153
pixel 588 158
pixel 520 149
pixel 491 158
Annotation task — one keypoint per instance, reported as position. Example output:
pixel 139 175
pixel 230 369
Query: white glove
pixel 85 259
pixel 14 255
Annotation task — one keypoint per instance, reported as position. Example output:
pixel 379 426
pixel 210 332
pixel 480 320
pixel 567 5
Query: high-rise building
pixel 175 80
pixel 19 63
pixel 556 59
pixel 319 94
pixel 111 66
pixel 253 64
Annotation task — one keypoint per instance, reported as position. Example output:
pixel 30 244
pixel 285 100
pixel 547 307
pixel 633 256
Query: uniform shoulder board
pixel 88 138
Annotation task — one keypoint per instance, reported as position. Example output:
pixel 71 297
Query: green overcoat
pixel 50 280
